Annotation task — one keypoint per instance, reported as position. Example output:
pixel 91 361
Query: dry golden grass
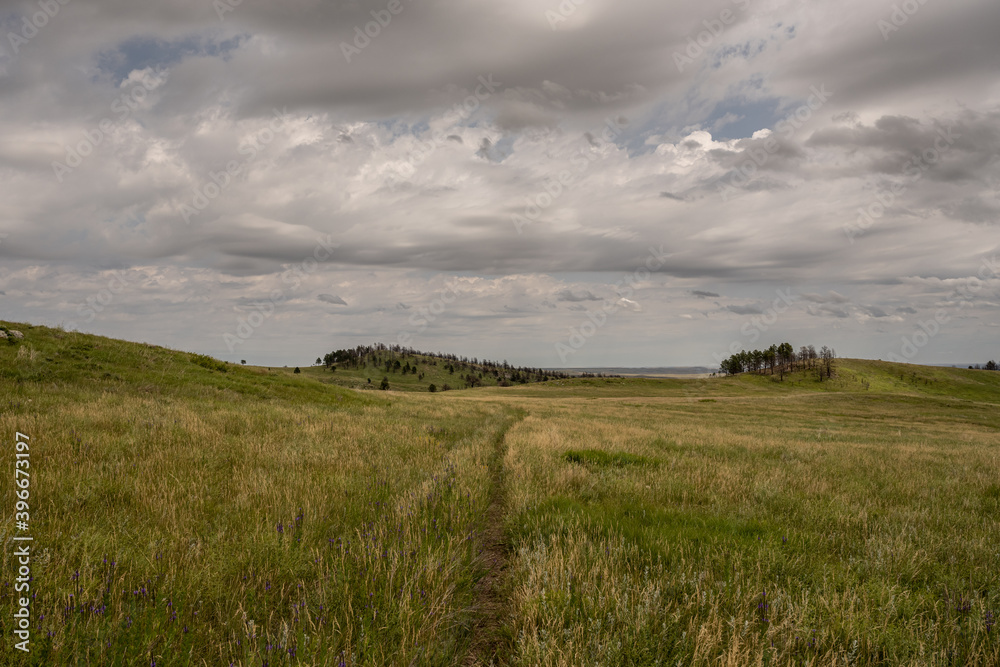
pixel 191 516
pixel 863 533
pixel 186 512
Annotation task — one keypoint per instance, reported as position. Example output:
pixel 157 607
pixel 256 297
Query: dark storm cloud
pixel 950 149
pixel 874 311
pixel 943 46
pixel 330 298
pixel 745 310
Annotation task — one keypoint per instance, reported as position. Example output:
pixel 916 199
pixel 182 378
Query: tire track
pixel 489 644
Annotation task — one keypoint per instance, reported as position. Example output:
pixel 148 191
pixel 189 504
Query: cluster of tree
pixel 393 366
pixel 988 366
pixel 781 359
pixel 398 359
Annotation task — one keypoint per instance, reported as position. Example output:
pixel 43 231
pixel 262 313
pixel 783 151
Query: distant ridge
pixel 645 371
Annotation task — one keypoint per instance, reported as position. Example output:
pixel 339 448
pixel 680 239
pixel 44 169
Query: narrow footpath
pixel 488 644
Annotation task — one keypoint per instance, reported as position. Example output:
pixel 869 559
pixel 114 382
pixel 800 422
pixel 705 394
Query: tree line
pixel 988 366
pixel 780 358
pixel 397 359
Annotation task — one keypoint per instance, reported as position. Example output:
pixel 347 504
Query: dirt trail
pixel 489 605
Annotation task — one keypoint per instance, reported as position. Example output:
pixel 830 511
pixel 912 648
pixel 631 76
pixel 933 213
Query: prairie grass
pixel 191 512
pixel 821 530
pixel 186 515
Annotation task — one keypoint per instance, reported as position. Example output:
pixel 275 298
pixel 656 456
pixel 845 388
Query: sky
pixel 574 183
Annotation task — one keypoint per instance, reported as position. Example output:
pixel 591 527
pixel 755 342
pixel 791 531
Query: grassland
pixel 187 512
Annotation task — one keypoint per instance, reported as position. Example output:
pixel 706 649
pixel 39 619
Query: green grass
pixel 865 520
pixel 599 457
pixel 158 486
pixel 719 521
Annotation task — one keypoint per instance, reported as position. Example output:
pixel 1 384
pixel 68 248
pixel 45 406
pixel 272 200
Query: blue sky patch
pixel 739 119
pixel 138 53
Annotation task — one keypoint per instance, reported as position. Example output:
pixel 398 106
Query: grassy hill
pixel 84 364
pixel 409 370
pixel 187 511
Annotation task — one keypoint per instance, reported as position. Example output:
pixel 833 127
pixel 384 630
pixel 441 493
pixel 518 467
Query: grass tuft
pixel 599 457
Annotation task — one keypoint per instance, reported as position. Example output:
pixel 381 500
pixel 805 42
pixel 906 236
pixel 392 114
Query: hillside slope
pixel 87 363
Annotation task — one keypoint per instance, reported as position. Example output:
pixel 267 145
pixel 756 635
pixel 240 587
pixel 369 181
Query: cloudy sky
pixel 584 183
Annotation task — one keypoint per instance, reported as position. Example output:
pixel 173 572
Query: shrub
pixel 297 370
pixel 432 388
